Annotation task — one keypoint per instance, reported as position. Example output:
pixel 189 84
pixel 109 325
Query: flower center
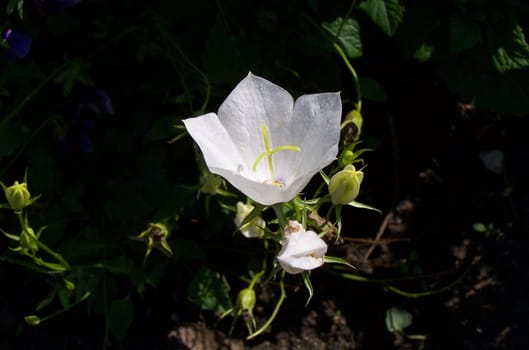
pixel 268 154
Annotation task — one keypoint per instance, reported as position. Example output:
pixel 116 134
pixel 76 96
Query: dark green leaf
pixel 185 249
pixel 19 4
pixel 210 290
pixel 347 34
pixel 464 33
pixel 386 14
pixel 120 316
pixel 488 89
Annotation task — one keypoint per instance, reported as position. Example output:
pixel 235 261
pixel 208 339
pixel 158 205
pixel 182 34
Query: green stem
pixel 353 73
pixel 41 245
pixel 347 15
pixel 55 314
pixel 276 309
pixel 396 290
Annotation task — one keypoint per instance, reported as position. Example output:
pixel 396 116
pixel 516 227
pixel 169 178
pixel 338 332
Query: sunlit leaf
pixel 348 35
pixel 509 49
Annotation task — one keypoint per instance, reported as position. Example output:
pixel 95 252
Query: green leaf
pixel 73 73
pixel 397 319
pixel 19 4
pixel 347 33
pixel 464 33
pixel 210 291
pixel 508 47
pixel 386 14
pixel 120 316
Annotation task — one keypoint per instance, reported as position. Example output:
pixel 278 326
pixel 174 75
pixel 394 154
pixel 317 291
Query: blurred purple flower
pixel 75 132
pixel 18 43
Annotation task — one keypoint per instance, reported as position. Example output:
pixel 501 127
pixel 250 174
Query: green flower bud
pixel 18 196
pixel 28 240
pixel 346 158
pixel 32 320
pixel 246 299
pixel 345 185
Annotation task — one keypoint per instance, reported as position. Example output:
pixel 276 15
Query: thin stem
pixel 30 96
pixel 28 141
pixel 276 309
pixel 57 313
pixel 347 15
pixel 353 73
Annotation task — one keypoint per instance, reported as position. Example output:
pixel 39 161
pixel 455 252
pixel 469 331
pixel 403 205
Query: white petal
pixel 216 145
pixel 254 102
pixel 323 113
pixel 302 250
pixel 266 194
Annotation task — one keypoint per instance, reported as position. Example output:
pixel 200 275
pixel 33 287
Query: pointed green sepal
pixel 363 206
pixel 308 285
pixel 335 260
